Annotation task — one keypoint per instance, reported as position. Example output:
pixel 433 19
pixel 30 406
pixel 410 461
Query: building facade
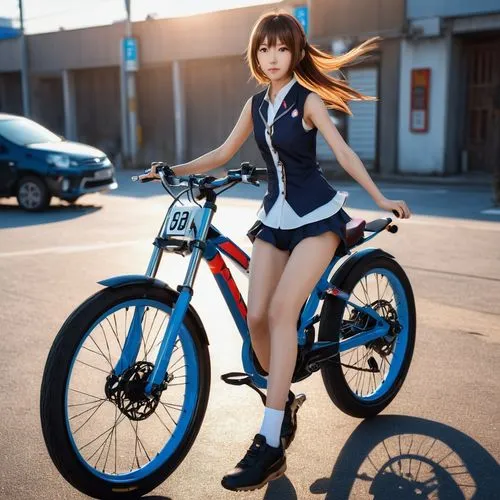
pixel 450 75
pixel 193 80
pixel 435 76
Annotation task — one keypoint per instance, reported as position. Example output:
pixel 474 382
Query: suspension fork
pixel 135 334
pixel 186 292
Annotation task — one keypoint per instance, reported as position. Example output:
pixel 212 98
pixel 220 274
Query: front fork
pixel 135 333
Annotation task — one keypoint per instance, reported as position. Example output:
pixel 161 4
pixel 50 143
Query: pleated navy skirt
pixel 288 239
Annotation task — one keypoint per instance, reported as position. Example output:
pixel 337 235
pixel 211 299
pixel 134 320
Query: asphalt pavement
pixel 440 437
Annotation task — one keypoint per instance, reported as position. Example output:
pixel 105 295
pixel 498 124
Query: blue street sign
pixel 7 32
pixel 129 54
pixel 302 15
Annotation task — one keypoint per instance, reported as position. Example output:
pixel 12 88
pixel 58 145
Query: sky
pixel 50 15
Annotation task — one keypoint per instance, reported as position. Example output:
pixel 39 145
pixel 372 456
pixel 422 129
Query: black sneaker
pixel 261 464
pixel 289 425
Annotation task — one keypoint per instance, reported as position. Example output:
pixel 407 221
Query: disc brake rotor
pixel 127 392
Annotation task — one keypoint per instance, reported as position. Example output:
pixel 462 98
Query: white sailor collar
pixel 281 94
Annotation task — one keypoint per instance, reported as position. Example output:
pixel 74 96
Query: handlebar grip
pixel 136 178
pixel 260 172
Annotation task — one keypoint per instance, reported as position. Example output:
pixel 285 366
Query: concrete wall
pixel 388 123
pixel 456 107
pixel 156 113
pixel 450 8
pixel 424 152
pixel 10 55
pixel 47 102
pixel 97 99
pixel 11 99
pixel 217 90
pixel 331 19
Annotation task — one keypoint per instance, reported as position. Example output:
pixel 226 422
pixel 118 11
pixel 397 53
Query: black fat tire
pixel 52 410
pixel 42 189
pixel 331 315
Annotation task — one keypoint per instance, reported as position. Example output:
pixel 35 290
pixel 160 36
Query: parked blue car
pixel 36 164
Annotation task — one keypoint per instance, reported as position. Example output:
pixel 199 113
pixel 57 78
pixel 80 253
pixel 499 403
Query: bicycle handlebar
pixel 246 173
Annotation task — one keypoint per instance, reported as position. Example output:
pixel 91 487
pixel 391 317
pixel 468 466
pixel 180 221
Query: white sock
pixel 271 426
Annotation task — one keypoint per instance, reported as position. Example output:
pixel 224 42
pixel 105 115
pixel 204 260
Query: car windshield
pixel 22 132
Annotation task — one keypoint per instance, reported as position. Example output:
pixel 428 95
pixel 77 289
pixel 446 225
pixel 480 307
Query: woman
pixel 301 223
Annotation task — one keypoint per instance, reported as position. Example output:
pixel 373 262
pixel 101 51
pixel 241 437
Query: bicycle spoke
pixel 91 366
pixel 89 417
pixel 177 362
pixel 95 343
pixel 163 423
pixel 138 443
pixel 121 418
pixel 156 336
pixel 114 333
pixel 86 411
pixel 151 328
pixel 183 366
pixel 110 442
pixel 168 413
pixel 87 394
pixel 143 324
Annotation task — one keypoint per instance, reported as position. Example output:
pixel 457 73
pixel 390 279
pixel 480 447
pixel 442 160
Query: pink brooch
pixel 284 104
pixel 295 113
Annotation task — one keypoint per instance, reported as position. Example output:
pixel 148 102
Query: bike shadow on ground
pixel 13 216
pixel 404 457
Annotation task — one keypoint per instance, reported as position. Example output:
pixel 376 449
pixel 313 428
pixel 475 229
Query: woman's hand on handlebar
pixel 153 173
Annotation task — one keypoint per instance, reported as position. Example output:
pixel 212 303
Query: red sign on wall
pixel 420 90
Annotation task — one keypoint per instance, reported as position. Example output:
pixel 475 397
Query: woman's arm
pixel 222 154
pixel 315 111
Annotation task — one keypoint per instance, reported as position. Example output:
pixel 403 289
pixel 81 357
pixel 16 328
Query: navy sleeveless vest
pixel 305 186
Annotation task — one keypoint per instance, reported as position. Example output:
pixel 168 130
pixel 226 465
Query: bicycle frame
pixel 210 245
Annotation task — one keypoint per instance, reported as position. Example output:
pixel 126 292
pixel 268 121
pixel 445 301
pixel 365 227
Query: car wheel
pixel 32 194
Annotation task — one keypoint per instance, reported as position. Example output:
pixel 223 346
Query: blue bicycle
pixel 127 379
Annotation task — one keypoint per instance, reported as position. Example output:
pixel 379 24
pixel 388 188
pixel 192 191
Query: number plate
pixel 180 221
pixel 103 174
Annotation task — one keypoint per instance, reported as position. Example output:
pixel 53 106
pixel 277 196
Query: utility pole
pixel 24 65
pixel 131 91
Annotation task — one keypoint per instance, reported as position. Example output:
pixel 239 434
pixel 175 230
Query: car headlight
pixel 61 161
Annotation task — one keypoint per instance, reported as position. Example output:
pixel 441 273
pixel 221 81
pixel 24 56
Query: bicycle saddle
pixel 354 231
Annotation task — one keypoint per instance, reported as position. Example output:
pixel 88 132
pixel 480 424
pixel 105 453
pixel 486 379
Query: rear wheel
pixel 105 436
pixel 364 380
pixel 33 194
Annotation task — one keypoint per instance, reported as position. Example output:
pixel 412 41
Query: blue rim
pixel 401 342
pixel 188 407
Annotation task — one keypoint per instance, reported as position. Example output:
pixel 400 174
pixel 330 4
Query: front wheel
pixel 363 381
pixel 105 436
pixel 33 194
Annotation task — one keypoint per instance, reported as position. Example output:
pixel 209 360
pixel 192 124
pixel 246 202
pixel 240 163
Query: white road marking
pixel 73 249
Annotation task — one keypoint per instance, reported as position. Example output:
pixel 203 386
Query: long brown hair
pixel 311 70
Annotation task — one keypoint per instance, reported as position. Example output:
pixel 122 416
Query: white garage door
pixel 362 126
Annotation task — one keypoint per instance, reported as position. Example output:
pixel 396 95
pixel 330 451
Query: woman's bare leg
pixel 266 267
pixel 305 266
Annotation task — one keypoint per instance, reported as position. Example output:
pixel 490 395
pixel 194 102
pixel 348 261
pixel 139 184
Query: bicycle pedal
pixel 241 378
pixel 300 398
pixel 298 402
